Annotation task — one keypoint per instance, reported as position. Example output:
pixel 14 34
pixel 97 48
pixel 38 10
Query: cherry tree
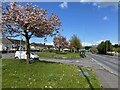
pixel 28 20
pixel 60 42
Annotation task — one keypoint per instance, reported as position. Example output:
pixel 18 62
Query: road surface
pixel 8 55
pixel 108 62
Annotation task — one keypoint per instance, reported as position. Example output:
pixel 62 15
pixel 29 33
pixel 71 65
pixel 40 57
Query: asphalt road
pixel 8 55
pixel 110 63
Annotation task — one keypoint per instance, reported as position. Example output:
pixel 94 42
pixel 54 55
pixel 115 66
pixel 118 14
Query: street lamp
pixel 20 39
pixel 20 43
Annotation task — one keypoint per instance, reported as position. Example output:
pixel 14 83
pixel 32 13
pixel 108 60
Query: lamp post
pixel 20 43
pixel 20 40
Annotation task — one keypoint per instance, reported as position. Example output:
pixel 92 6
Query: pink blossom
pixel 19 7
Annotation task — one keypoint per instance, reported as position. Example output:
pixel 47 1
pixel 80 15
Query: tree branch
pixel 13 36
pixel 31 35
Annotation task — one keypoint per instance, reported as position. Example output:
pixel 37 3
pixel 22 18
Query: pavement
pixel 108 79
pixel 109 63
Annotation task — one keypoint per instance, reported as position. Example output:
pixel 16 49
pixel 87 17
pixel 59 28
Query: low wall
pixel 113 53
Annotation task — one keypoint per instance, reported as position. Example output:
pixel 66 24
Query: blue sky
pixel 91 22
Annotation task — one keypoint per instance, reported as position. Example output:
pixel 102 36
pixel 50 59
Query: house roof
pixel 11 41
pixel 37 44
pixel 40 45
pixel 5 41
pixel 51 46
pixel 14 41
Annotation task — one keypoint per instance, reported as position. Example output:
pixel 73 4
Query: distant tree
pixel 60 42
pixel 116 46
pixel 93 50
pixel 28 21
pixel 75 42
pixel 103 47
pixel 108 45
pixel 118 50
pixel 88 47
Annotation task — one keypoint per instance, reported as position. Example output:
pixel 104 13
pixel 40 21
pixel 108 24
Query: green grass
pixel 60 55
pixel 0 74
pixel 18 74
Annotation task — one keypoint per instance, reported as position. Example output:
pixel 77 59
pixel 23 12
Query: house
pixel 5 44
pixel 16 44
pixel 40 46
pixel 49 47
pixel 11 44
pixel 37 46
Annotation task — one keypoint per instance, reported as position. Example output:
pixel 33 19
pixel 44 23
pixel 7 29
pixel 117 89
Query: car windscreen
pixel 32 53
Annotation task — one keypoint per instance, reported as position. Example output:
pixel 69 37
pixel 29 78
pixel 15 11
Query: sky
pixel 91 22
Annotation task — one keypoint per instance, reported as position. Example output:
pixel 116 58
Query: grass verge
pixel 18 74
pixel 60 55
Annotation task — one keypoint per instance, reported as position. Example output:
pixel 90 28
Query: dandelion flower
pixel 45 86
pixel 30 82
pixel 29 79
pixel 50 86
pixel 60 78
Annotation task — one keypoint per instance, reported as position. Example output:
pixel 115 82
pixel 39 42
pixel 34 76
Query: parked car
pixel 23 55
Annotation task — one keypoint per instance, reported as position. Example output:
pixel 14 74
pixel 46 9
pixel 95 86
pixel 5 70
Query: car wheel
pixel 16 58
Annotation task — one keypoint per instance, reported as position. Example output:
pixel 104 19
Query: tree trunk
pixel 59 48
pixel 28 49
pixel 74 50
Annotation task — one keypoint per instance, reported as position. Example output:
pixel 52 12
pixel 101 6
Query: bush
pixel 58 52
pixel 52 50
pixel 4 51
pixel 93 50
pixel 118 50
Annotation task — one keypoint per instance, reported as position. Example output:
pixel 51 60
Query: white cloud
pixel 108 4
pixel 64 5
pixel 51 43
pixel 98 42
pixel 114 43
pixel 103 3
pixel 86 0
pixel 86 44
pixel 105 18
pixel 99 6
pixel 92 44
pixel 94 4
pixel 95 43
pixel 99 0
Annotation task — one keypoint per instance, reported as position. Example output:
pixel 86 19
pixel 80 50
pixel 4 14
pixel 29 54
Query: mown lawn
pixel 0 74
pixel 60 55
pixel 18 74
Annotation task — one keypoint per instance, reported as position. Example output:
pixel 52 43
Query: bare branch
pixel 31 35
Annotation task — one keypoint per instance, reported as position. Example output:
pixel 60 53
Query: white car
pixel 22 55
